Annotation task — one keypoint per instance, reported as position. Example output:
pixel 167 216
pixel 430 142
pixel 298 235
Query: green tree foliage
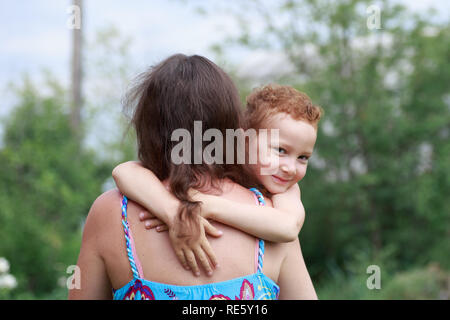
pixel 47 186
pixel 48 181
pixel 377 183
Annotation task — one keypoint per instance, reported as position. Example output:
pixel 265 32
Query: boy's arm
pixel 290 202
pixel 142 186
pixel 282 223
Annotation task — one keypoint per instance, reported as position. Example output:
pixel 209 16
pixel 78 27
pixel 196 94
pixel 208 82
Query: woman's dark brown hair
pixel 172 95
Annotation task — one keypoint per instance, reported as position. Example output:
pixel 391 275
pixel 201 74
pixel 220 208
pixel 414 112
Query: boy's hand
pixel 188 247
pixel 207 202
pixel 151 221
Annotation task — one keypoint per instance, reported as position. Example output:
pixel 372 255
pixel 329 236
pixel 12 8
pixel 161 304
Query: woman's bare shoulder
pixel 108 197
pixel 106 204
pixel 103 223
pixel 107 209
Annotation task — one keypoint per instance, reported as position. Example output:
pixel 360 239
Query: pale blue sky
pixel 34 34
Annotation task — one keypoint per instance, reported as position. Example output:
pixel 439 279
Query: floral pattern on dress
pixel 170 294
pixel 277 292
pixel 139 292
pixel 247 292
pixel 219 297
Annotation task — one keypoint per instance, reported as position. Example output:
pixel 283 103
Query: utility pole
pixel 76 69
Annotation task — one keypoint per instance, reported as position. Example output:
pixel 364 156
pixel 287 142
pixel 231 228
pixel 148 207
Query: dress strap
pixel 261 202
pixel 128 238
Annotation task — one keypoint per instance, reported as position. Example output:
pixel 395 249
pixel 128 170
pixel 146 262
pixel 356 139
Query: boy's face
pixel 286 163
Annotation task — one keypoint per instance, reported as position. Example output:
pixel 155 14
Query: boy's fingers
pixel 210 253
pixel 212 231
pixel 157 222
pixel 201 256
pixel 182 259
pixel 191 262
pixel 162 228
pixel 144 215
pixel 152 223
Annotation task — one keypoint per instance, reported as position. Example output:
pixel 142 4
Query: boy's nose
pixel 288 168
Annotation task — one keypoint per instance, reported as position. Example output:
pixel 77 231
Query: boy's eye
pixel 281 150
pixel 304 158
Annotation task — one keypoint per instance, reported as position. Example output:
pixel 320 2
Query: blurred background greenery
pixel 375 192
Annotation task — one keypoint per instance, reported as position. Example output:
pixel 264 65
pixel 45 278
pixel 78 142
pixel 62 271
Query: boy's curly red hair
pixel 271 99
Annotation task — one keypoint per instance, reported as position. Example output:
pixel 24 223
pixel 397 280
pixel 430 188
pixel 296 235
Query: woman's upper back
pixel 236 251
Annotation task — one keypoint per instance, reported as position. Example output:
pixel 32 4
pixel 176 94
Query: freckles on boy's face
pixel 285 160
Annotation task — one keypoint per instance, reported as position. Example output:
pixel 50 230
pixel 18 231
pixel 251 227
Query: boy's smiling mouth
pixel 279 180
